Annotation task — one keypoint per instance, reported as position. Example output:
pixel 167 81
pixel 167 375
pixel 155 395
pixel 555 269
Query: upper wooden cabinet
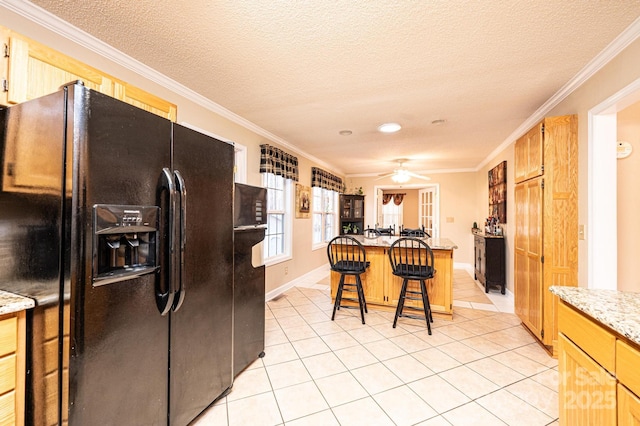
pixel 529 154
pixel 546 237
pixel 33 70
pixel 4 65
pixel 141 99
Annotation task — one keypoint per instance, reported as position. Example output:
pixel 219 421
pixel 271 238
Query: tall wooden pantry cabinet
pixel 546 219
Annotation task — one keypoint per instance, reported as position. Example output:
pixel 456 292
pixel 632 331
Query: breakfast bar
pixel 382 288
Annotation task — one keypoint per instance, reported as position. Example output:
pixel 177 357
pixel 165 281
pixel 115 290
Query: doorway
pixel 602 225
pixel 420 206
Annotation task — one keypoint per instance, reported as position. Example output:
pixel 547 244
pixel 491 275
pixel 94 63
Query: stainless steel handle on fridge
pixel 164 300
pixel 182 191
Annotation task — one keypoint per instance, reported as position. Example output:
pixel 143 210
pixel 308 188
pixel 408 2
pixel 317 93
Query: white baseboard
pixel 300 280
pixel 465 266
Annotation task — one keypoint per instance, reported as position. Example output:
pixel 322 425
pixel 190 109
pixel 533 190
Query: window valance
pixel 276 161
pixel 397 198
pixel 326 180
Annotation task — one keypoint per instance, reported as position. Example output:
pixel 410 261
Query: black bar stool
pixel 412 259
pixel 347 257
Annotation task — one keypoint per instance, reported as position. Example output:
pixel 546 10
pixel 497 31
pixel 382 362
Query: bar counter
pixel 382 288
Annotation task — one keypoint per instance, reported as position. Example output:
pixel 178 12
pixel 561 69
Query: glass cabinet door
pixel 358 208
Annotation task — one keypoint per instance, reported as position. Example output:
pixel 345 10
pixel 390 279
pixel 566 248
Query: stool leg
pixel 426 305
pixel 364 301
pixel 336 304
pixel 360 296
pixel 429 303
pixel 403 292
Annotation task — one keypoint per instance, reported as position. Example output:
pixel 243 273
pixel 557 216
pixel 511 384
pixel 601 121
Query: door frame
pixel 417 186
pixel 602 241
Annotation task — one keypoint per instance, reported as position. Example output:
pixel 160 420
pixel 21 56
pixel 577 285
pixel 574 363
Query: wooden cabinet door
pixel 587 392
pixel 373 279
pixel 535 158
pixel 560 214
pixel 628 407
pixel 4 64
pixel 529 155
pixel 146 101
pixel 521 155
pixel 35 70
pixel 528 255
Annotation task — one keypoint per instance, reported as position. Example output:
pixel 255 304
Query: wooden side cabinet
pixel 489 261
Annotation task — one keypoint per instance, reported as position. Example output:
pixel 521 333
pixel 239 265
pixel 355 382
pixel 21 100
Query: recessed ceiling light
pixel 438 121
pixel 389 127
pixel 345 132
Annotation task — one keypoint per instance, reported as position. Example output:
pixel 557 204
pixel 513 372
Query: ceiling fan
pixel 401 174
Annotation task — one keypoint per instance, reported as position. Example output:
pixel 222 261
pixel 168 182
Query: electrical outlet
pixel 286 270
pixel 449 219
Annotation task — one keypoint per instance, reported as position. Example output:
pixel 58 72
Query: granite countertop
pixel 10 303
pixel 434 243
pixel 618 310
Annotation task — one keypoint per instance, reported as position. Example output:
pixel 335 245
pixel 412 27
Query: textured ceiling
pixel 303 71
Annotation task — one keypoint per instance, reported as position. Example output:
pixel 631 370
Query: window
pixel 240 163
pixel 277 242
pixel 392 215
pixel 324 215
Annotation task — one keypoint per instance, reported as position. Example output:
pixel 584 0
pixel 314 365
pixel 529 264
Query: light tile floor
pixel 481 368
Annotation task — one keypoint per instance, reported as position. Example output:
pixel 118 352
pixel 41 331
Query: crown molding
pixel 53 23
pixel 613 49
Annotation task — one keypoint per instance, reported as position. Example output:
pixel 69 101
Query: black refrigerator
pixel 119 223
pixel 250 224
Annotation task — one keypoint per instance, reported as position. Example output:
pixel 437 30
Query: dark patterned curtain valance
pixel 397 198
pixel 276 161
pixel 326 180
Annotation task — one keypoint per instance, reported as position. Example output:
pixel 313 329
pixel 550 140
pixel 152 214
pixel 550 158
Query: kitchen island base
pixel 382 288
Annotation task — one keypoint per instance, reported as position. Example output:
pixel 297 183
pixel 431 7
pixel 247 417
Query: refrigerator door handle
pixel 164 299
pixel 182 191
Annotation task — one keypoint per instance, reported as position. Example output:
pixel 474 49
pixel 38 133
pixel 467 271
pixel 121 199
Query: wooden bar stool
pixel 412 259
pixel 348 257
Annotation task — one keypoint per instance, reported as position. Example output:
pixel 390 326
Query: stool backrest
pixel 411 258
pixel 372 233
pixel 346 255
pixel 386 231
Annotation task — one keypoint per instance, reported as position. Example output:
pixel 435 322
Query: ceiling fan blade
pixel 415 175
pixel 384 175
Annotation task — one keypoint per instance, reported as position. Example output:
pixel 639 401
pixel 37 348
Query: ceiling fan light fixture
pixel 400 176
pixel 389 127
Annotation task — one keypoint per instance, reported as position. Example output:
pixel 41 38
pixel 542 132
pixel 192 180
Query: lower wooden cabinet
pixel 12 368
pixel 598 378
pixel 628 407
pixel 587 392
